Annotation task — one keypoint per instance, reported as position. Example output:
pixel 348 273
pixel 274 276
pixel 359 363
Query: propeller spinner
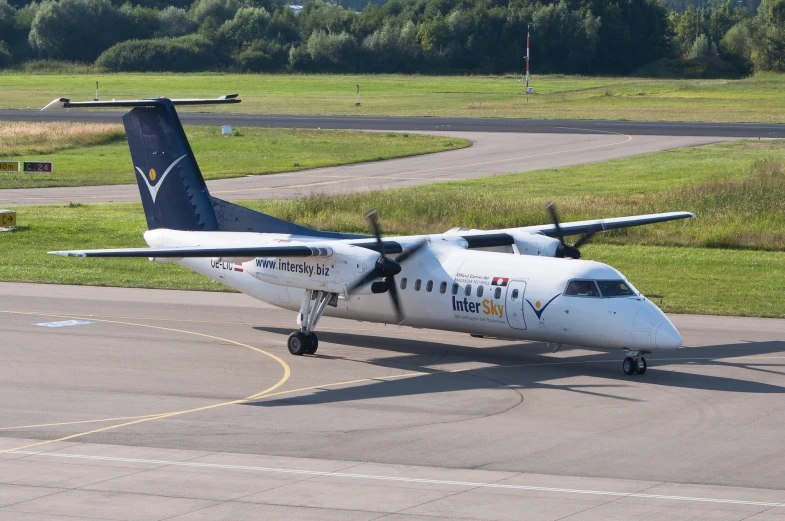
pixel 564 249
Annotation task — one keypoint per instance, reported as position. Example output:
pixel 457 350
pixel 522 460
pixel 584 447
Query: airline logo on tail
pixel 154 189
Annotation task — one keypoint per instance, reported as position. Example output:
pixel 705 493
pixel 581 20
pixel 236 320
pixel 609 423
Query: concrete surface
pixel 384 422
pixel 491 154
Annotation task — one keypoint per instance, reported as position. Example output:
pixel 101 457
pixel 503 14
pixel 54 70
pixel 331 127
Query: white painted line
pixel 65 323
pixel 469 484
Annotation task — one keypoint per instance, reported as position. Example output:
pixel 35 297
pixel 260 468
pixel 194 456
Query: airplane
pixel 523 283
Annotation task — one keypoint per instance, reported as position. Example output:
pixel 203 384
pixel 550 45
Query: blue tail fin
pixel 174 194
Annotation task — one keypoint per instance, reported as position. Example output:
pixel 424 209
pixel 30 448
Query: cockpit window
pixel 615 288
pixel 582 288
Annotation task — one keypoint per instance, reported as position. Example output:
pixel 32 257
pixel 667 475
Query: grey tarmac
pixel 492 153
pixel 187 405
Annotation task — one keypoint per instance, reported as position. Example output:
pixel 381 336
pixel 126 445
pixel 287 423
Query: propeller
pixel 385 268
pixel 564 249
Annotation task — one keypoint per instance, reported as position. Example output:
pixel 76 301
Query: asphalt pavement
pixel 159 404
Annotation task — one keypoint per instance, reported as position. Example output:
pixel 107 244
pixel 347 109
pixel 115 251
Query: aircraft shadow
pixel 527 366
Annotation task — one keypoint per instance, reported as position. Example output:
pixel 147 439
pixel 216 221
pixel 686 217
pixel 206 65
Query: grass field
pixel 757 99
pixel 731 260
pixel 736 188
pixel 89 154
pixel 690 280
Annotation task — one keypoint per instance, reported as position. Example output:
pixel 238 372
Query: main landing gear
pixel 304 341
pixel 634 363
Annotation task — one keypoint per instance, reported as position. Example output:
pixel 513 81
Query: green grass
pixel 757 99
pixel 731 260
pixel 255 151
pixel 736 188
pixel 691 280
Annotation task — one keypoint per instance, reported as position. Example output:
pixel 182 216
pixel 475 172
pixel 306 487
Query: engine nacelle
pixel 332 272
pixel 535 244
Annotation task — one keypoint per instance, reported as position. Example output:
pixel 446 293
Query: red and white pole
pixel 528 45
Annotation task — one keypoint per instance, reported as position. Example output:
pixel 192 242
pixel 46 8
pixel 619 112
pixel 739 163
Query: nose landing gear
pixel 635 363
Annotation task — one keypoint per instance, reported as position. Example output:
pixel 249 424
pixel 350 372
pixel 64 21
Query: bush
pixel 698 68
pixel 261 56
pixel 184 54
pixel 77 30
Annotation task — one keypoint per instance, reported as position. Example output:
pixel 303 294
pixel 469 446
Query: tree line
pixel 426 36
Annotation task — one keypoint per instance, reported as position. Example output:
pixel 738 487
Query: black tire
pixel 298 343
pixel 629 366
pixel 641 368
pixel 313 343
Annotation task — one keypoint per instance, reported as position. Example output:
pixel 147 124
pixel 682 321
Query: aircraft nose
pixel 667 337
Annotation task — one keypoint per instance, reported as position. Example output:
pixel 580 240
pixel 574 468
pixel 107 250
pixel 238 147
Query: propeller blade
pixel 400 259
pixel 555 219
pixel 371 216
pixel 368 277
pixel 583 239
pixel 392 289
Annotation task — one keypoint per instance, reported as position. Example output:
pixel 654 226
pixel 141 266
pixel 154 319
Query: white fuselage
pixel 477 292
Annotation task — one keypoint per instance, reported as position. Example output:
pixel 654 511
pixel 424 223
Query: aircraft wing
pixel 495 238
pixel 200 251
pixel 614 223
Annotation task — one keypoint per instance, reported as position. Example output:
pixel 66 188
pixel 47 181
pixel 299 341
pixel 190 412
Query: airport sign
pixel 37 166
pixel 9 166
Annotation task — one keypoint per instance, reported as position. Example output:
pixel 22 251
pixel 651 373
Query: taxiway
pixel 187 405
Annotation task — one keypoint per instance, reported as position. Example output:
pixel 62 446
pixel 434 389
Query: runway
pixel 187 405
pixel 428 124
pixel 492 153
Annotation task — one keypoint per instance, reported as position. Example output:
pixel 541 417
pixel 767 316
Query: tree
pixel 768 35
pixel 567 40
pixel 219 10
pixel 77 30
pixel 174 21
pixel 248 24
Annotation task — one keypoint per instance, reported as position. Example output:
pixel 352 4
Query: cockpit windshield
pixel 582 288
pixel 599 288
pixel 615 288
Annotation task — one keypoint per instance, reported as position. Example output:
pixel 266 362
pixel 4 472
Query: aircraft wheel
pixel 641 369
pixel 313 343
pixel 298 343
pixel 629 365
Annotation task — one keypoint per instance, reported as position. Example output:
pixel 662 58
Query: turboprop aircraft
pixel 516 283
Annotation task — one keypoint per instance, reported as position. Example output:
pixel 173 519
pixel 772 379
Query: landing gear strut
pixel 634 363
pixel 304 341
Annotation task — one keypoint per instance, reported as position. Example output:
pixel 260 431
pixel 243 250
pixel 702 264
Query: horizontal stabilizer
pixel 66 103
pixel 201 252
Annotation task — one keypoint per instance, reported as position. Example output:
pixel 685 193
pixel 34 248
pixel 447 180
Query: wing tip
pixel 67 253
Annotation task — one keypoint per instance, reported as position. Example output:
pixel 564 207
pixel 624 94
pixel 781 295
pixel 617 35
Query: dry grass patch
pixel 25 137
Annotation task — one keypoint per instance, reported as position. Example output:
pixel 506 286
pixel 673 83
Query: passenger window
pixel 417 285
pixel 479 291
pixel 514 294
pixel 429 286
pixel 498 293
pixel 455 288
pixel 403 283
pixel 614 288
pixel 468 291
pixel 582 288
pixel 443 288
